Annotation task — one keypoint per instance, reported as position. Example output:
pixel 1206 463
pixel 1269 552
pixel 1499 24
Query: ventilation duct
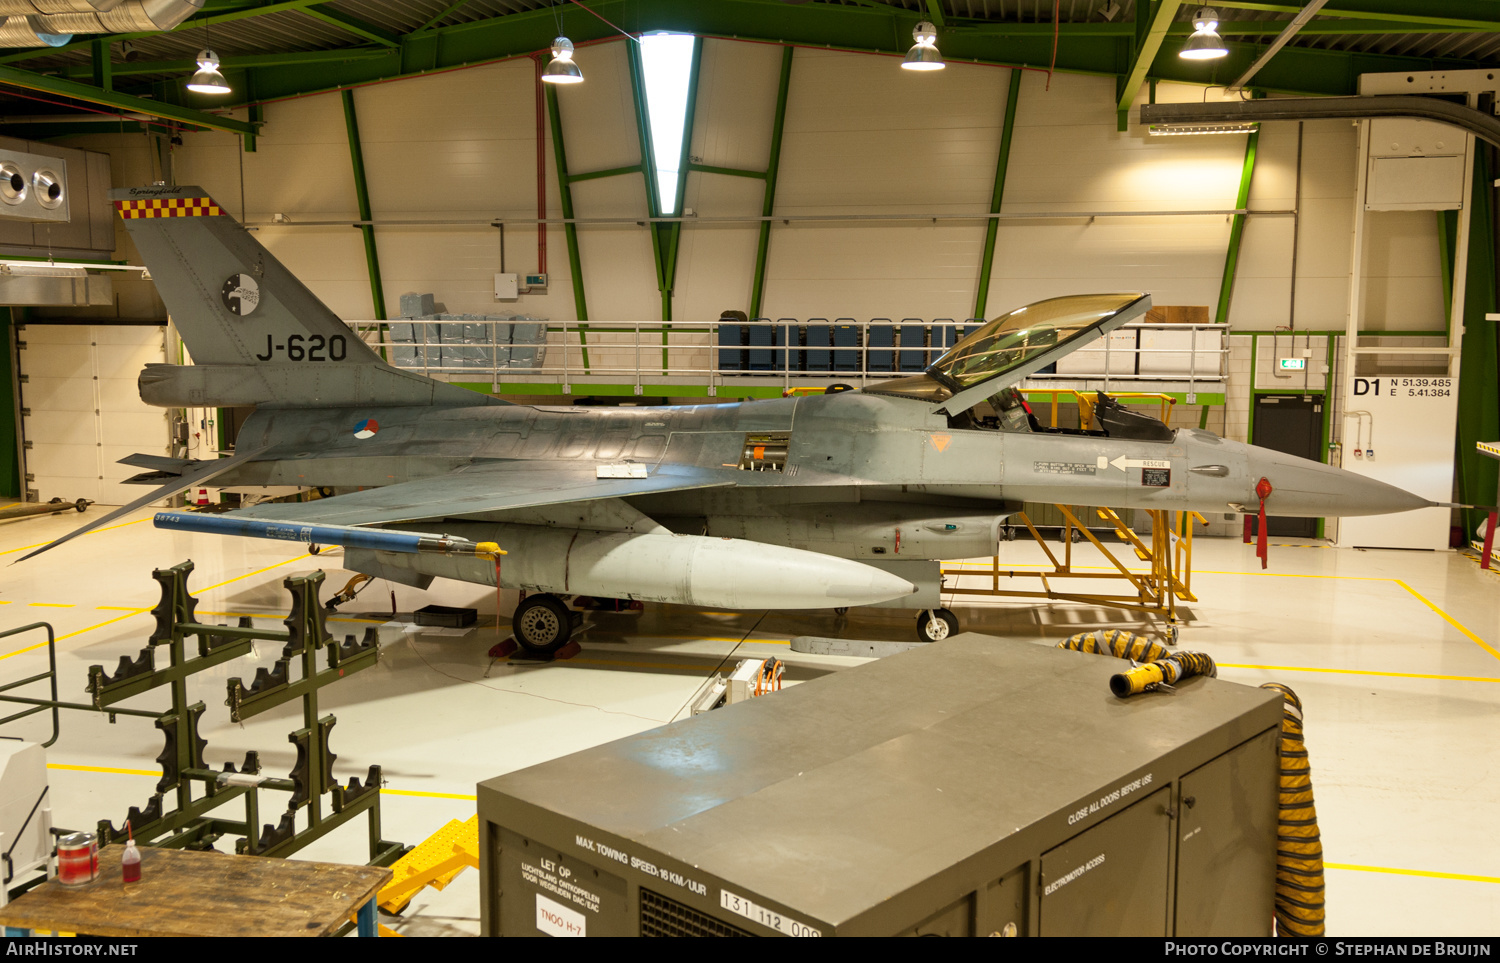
pixel 28 32
pixel 35 23
pixel 27 7
pixel 1482 125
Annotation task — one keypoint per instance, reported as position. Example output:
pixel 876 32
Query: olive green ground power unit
pixel 975 786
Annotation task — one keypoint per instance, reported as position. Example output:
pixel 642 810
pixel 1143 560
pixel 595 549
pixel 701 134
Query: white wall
pixel 865 137
pixel 861 137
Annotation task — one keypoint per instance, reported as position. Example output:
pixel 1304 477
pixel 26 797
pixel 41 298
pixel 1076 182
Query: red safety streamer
pixel 498 622
pixel 1489 541
pixel 1263 490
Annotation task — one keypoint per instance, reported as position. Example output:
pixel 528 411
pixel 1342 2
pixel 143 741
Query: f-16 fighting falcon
pixel 825 501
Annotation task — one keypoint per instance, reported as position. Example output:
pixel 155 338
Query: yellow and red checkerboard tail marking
pixel 168 207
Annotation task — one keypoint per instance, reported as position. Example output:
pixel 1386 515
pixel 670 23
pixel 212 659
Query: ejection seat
pixel 1119 421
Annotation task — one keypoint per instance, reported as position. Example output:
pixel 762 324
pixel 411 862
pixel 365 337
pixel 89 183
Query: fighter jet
pixel 827 501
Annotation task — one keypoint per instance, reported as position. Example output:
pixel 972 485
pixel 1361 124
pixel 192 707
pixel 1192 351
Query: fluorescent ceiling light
pixel 1205 128
pixel 667 63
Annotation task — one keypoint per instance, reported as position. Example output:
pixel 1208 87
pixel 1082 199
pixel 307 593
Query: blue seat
pixel 817 338
pixel 732 347
pixel 880 340
pixel 951 333
pixel 783 329
pixel 846 338
pixel 761 338
pixel 913 355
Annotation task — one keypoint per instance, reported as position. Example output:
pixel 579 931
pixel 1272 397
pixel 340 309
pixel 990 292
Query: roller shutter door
pixel 82 411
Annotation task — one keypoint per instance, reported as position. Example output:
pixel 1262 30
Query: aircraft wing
pixel 187 473
pixel 481 489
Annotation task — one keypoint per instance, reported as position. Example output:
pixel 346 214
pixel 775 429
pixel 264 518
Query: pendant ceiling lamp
pixel 1205 43
pixel 924 55
pixel 562 69
pixel 208 80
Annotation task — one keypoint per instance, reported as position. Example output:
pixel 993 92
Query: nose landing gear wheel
pixel 935 625
pixel 542 624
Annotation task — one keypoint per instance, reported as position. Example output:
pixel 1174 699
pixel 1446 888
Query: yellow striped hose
pixel 1118 643
pixel 1159 672
pixel 1299 847
pixel 1159 665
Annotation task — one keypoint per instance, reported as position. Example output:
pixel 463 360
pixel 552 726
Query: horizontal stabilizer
pixel 200 472
pixel 172 466
pixel 152 478
pixel 479 490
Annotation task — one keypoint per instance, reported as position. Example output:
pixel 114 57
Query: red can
pixel 77 859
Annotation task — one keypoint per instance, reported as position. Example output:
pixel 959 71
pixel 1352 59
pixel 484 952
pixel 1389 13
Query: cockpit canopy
pixel 1011 340
pixel 1012 346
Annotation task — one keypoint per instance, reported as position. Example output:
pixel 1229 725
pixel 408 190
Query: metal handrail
pixel 1085 417
pixel 568 352
pixel 51 674
pixel 37 705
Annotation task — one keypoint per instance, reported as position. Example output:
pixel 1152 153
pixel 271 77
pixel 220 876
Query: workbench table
pixel 186 893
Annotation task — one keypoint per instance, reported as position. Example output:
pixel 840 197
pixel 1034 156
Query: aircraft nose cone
pixel 1307 488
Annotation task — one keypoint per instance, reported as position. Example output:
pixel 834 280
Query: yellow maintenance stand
pixel 1156 591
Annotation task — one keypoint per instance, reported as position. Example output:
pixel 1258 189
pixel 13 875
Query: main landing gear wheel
pixel 935 625
pixel 542 624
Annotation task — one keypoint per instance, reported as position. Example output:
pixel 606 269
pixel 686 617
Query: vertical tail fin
pixel 257 334
pixel 232 302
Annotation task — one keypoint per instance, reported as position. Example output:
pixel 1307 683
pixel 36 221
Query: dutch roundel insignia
pixel 366 428
pixel 241 295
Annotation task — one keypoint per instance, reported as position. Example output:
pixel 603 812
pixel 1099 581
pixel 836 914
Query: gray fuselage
pixel 864 475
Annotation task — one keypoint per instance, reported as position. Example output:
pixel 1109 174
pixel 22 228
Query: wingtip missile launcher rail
pixel 374 539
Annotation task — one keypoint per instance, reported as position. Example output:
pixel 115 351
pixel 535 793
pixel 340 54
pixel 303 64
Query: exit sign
pixel 1293 364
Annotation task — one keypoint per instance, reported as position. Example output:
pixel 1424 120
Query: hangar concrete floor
pixel 1396 656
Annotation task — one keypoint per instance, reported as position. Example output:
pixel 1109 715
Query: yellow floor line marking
pixel 1397 675
pixel 1413 872
pixel 53 605
pixel 107 528
pixel 430 795
pixel 210 588
pixel 636 665
pixel 1352 578
pixel 99 625
pixel 986 572
pixel 1448 618
pixel 123 772
pixel 123 608
pixel 709 638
